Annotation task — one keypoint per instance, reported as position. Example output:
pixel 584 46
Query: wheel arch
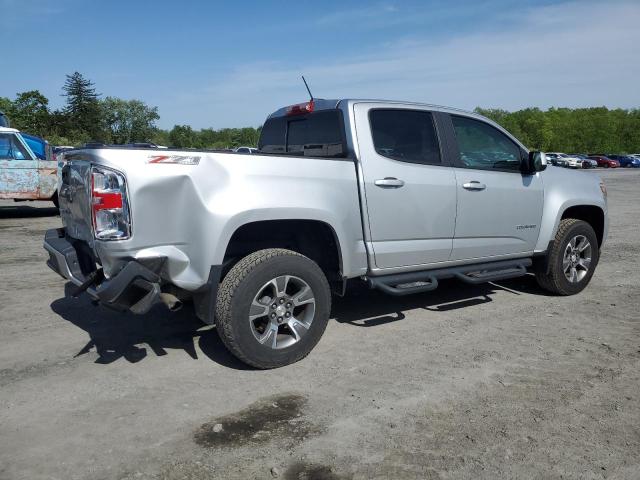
pixel 592 214
pixel 312 238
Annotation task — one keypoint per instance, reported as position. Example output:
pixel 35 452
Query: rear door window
pixel 405 135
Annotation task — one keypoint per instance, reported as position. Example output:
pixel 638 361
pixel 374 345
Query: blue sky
pixel 228 64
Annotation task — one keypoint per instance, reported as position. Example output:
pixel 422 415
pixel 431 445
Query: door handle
pixel 474 185
pixel 389 182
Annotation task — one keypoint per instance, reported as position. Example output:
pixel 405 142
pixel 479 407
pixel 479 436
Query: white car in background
pixel 564 160
pixel 557 159
pixel 586 161
pixel 245 150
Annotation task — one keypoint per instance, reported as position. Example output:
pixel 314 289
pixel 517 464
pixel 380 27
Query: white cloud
pixel 572 54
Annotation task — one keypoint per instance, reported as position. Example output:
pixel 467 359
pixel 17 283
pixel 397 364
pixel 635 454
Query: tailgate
pixel 75 199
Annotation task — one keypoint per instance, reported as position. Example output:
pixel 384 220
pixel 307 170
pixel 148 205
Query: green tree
pixel 31 113
pixel 579 130
pixel 128 121
pixel 183 136
pixel 83 108
pixel 6 106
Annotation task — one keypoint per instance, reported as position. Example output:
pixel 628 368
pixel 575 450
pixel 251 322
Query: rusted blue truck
pixel 28 170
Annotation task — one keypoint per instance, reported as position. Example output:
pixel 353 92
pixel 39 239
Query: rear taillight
pixel 109 207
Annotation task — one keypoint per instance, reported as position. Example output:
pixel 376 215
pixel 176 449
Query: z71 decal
pixel 175 159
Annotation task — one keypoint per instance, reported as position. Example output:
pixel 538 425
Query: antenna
pixel 305 84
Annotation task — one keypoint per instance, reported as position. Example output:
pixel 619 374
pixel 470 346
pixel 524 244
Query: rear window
pixel 405 135
pixel 318 134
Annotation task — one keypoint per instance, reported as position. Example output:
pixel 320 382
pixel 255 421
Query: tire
pixel 55 200
pixel 606 165
pixel 251 288
pixel 555 280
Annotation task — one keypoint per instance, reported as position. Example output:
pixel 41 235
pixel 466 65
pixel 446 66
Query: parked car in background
pixel 586 161
pixel 143 145
pixel 556 159
pixel 60 149
pixel 124 145
pixel 27 168
pixel 4 121
pixel 245 150
pixel 626 161
pixel 564 160
pixel 604 161
pixel 573 161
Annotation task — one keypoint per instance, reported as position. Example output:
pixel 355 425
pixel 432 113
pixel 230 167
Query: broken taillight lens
pixel 109 207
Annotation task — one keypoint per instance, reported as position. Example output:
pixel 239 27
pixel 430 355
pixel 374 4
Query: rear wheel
pixel 272 308
pixel 572 259
pixel 55 201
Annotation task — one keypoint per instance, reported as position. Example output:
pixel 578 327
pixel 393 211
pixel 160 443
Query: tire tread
pixel 226 292
pixel 550 280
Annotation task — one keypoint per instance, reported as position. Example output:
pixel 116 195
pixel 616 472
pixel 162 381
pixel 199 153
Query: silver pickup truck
pixel 393 194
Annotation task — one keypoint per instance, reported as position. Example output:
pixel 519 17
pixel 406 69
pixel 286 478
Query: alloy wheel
pixel 576 259
pixel 282 311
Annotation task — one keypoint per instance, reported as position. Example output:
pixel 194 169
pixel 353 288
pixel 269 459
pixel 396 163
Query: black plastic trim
pixel 205 298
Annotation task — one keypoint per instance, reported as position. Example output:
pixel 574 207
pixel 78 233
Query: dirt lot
pixel 494 381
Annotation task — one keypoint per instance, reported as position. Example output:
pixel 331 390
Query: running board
pixel 416 282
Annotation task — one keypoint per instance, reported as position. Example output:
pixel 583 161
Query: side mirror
pixel 536 162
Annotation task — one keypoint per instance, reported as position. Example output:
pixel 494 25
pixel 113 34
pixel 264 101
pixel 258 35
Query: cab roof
pixel 329 104
pixel 8 130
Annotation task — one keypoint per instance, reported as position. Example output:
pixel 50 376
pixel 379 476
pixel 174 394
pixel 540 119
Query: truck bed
pixel 188 213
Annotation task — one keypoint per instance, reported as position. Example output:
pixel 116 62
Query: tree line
pixel 579 130
pixel 87 116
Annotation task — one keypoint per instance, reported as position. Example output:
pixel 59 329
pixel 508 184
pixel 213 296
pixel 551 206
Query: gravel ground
pixel 493 381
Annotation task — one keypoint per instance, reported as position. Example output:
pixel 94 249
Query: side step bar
pixel 415 282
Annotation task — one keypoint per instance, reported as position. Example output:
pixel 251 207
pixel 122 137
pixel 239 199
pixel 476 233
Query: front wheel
pixel 572 259
pixel 272 308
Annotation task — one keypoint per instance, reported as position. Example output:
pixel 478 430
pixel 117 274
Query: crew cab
pixel 27 168
pixel 394 195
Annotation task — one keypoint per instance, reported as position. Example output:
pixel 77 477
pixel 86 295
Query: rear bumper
pixel 136 287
